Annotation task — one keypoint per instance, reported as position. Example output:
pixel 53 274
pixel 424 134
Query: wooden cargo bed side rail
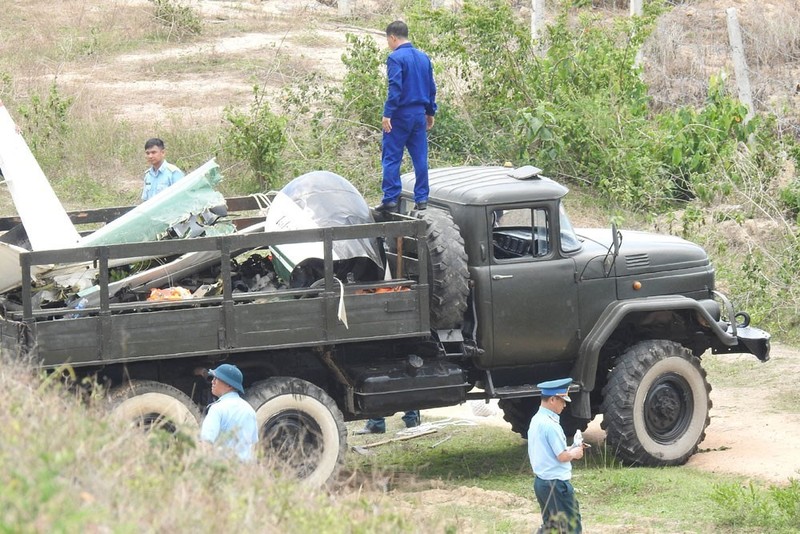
pixel 228 246
pixel 237 206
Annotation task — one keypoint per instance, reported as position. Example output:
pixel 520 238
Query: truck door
pixel 534 293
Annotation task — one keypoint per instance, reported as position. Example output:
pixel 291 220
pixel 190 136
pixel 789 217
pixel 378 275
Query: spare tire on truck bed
pixel 448 275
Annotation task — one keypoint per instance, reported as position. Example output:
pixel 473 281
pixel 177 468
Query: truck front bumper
pixel 751 340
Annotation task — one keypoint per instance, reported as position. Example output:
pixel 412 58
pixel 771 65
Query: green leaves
pixel 257 137
pixel 178 19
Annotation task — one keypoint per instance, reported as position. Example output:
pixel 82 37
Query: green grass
pixel 612 497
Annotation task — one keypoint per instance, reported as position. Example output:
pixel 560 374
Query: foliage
pixel 696 142
pixel 257 137
pixel 776 509
pixel 364 86
pixel 789 195
pixel 46 123
pixel 180 20
pixel 337 128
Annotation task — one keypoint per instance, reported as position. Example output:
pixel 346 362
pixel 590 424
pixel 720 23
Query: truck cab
pixel 604 307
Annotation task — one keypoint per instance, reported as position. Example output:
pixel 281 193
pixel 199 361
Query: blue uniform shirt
pixel 156 181
pixel 546 440
pixel 411 84
pixel 231 423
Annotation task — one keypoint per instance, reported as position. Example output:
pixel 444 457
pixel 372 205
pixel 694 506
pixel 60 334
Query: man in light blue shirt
pixel 551 461
pixel 231 422
pixel 161 173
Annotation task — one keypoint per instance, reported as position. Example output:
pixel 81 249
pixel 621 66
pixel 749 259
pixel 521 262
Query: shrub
pixel 45 124
pixel 257 137
pixel 776 509
pixel 179 20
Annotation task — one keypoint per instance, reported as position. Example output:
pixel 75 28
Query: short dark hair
pixel 397 28
pixel 154 141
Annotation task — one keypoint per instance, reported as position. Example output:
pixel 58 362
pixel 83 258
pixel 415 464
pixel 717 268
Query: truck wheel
pixel 448 275
pixel 152 404
pixel 300 428
pixel 656 403
pixel 519 413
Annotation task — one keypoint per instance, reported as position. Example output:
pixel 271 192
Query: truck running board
pixel 515 392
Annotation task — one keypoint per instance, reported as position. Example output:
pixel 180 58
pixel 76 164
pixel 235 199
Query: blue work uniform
pixel 156 181
pixel 411 96
pixel 231 424
pixel 556 496
pixel 378 424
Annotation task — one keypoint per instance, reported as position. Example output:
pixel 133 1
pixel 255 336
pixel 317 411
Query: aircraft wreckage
pixel 189 209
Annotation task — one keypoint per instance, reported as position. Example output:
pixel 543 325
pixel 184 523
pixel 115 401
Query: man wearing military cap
pixel 551 461
pixel 231 422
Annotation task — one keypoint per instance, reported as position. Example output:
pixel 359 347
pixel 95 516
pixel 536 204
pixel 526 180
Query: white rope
pixel 263 201
pixel 435 425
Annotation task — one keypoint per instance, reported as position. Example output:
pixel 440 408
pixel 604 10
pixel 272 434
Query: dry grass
pixel 690 44
pixel 65 467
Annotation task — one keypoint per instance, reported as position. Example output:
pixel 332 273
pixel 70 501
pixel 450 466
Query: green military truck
pixel 487 292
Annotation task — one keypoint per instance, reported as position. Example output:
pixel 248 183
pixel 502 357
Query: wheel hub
pixel 294 439
pixel 668 408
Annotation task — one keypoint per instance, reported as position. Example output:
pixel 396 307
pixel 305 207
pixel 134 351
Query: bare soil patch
pixel 747 435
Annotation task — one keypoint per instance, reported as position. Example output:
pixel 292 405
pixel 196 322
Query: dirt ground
pixel 745 437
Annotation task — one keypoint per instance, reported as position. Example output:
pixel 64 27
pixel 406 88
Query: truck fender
pixel 585 368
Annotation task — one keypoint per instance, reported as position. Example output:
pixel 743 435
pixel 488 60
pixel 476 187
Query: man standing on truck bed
pixel 231 421
pixel 551 461
pixel 161 173
pixel 407 116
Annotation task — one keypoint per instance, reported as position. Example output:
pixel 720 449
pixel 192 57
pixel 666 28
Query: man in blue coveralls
pixel 551 461
pixel 407 116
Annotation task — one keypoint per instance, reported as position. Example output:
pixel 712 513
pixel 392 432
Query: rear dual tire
pixel 300 429
pixel 154 405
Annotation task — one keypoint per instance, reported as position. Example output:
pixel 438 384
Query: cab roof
pixel 487 185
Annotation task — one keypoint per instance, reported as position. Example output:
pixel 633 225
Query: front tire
pixel 300 428
pixel 519 413
pixel 656 404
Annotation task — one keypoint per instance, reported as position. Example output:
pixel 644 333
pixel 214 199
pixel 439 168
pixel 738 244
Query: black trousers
pixel 560 511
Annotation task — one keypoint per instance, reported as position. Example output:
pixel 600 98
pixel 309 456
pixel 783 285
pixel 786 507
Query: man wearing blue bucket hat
pixel 231 421
pixel 551 461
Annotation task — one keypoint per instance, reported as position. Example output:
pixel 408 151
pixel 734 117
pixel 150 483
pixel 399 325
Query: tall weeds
pixel 66 467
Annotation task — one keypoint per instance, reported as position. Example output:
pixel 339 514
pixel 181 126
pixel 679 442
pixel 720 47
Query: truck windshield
pixel 569 241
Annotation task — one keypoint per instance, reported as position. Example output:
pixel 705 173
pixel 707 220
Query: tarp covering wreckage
pixel 321 199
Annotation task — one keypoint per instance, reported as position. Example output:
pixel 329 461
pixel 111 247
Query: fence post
pixel 739 62
pixel 537 25
pixel 637 11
